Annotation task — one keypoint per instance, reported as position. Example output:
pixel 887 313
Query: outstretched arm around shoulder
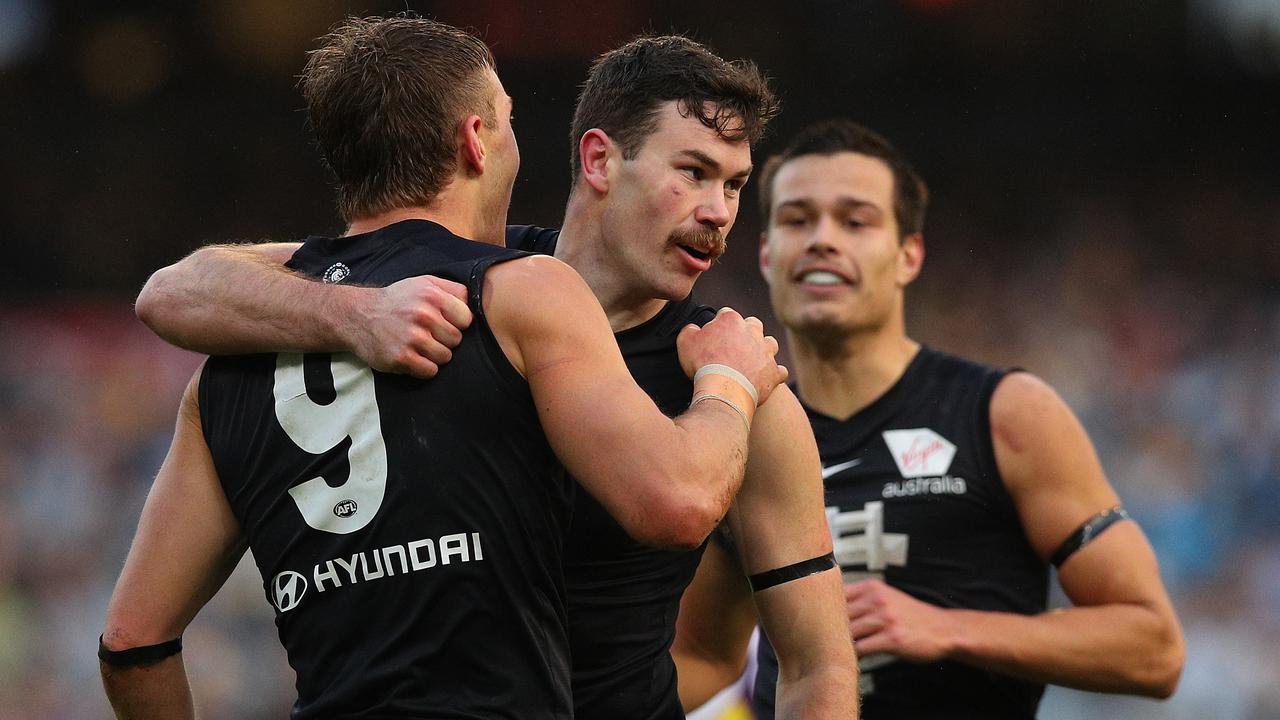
pixel 227 299
pixel 667 482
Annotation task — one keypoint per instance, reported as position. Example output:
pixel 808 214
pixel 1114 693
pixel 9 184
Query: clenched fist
pixel 738 342
pixel 411 326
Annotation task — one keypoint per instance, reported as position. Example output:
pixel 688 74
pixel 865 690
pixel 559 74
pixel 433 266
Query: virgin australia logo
pixel 287 589
pixel 920 452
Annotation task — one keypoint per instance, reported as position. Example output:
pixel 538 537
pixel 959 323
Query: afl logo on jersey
pixel 336 273
pixel 345 509
pixel 287 589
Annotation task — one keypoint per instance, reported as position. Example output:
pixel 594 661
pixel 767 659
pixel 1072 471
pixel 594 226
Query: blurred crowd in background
pixel 1106 214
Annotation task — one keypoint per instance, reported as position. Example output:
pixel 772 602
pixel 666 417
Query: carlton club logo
pixel 920 452
pixel 336 273
pixel 287 589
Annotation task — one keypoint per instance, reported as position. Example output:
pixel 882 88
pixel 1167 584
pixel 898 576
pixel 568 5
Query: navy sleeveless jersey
pixel 409 532
pixel 624 596
pixel 914 497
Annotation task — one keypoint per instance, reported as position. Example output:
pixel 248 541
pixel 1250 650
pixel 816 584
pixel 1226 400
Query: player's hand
pixel 883 619
pixel 410 327
pixel 738 342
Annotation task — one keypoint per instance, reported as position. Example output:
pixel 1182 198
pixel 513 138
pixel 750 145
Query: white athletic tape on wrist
pixel 732 405
pixel 726 371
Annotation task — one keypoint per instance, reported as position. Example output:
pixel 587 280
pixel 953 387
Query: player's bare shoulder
pixel 540 274
pixel 1026 411
pixel 537 300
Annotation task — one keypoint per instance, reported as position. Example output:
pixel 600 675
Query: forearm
pixel 241 299
pixel 826 693
pixel 817 668
pixel 713 447
pixel 687 471
pixel 1122 648
pixel 667 482
pixel 150 692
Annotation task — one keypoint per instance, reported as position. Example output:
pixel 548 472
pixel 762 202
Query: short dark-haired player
pixel 662 138
pixel 409 533
pixel 951 486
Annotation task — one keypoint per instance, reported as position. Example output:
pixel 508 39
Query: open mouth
pixel 697 254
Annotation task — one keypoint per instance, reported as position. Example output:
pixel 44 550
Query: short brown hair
pixel 910 195
pixel 626 86
pixel 384 98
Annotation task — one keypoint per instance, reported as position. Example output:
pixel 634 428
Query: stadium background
pixel 1107 214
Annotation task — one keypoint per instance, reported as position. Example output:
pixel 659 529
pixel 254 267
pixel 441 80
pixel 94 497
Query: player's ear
pixel 470 146
pixel 910 258
pixel 594 151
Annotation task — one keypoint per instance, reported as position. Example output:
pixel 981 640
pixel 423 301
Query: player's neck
pixel 581 248
pixel 844 376
pixel 463 219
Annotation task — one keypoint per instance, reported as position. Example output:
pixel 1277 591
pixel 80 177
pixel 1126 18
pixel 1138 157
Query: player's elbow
pixel 157 302
pixel 148 305
pixel 675 533
pixel 123 631
pixel 1155 673
pixel 1160 679
pixel 676 521
pixel 1164 667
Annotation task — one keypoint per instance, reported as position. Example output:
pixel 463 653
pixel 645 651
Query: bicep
pixel 187 542
pixel 593 412
pixel 1057 483
pixel 778 516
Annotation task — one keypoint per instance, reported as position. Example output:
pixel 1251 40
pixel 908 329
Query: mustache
pixel 704 239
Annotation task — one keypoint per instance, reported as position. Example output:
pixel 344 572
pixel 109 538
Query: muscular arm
pixel 777 520
pixel 1121 635
pixel 226 299
pixel 187 543
pixel 666 482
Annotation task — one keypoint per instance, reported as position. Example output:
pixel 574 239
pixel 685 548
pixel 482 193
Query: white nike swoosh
pixel 829 471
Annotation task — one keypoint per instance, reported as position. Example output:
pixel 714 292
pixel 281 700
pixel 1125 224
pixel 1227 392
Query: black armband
pixel 145 655
pixel 1084 534
pixel 795 571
